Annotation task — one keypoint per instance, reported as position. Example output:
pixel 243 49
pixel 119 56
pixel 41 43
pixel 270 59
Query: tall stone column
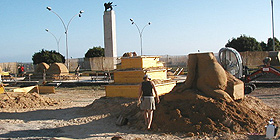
pixel 110 41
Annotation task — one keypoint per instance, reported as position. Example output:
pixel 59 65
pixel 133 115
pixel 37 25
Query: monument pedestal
pixel 110 41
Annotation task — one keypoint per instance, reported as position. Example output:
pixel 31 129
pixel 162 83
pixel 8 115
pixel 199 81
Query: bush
pixel 48 57
pixel 95 52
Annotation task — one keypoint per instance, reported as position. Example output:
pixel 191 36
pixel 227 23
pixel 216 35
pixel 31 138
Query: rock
pixel 117 138
pixel 190 134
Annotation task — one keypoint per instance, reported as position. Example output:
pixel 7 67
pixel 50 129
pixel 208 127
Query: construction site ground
pixel 70 118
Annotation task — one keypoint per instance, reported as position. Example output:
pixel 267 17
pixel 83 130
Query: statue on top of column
pixel 109 6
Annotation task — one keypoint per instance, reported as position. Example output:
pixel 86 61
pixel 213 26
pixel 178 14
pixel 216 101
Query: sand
pixel 84 113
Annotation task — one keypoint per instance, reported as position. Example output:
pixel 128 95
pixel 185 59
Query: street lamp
pixel 66 30
pixel 57 40
pixel 140 32
pixel 272 18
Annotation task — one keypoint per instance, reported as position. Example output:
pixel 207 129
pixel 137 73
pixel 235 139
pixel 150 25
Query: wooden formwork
pixel 130 74
pixel 2 90
pixel 38 89
pixel 132 90
pixel 136 76
pixel 140 62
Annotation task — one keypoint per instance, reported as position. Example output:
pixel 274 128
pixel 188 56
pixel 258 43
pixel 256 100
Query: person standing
pixel 19 70
pixel 146 99
pixel 22 69
pixel 77 71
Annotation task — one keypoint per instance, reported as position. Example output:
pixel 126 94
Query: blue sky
pixel 178 27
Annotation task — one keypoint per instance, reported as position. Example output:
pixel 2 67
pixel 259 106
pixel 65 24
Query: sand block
pixel 235 87
pixel 192 67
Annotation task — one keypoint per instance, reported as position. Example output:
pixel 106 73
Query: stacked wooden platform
pixel 129 75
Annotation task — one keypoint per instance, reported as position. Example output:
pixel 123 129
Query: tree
pixel 244 43
pixel 269 45
pixel 264 46
pixel 48 57
pixel 95 52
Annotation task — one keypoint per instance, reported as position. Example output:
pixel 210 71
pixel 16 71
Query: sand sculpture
pixel 208 76
pixel 58 68
pixel 55 71
pixel 41 68
pixel 129 54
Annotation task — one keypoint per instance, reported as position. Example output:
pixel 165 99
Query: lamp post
pixel 140 32
pixel 66 30
pixel 57 40
pixel 272 20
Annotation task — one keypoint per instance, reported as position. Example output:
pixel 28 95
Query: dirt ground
pixel 72 119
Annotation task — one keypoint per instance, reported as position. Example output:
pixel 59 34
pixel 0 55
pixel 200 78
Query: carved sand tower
pixel 109 21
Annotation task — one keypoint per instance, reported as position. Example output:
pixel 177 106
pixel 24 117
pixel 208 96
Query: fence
pixel 250 59
pixel 175 61
pixel 12 67
pixel 86 64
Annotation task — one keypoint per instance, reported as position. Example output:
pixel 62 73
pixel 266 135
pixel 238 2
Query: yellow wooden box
pixel 136 76
pixel 46 89
pixel 5 73
pixel 140 62
pixel 132 91
pixel 38 89
pixel 2 90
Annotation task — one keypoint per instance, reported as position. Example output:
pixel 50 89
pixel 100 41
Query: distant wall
pixel 253 59
pixel 174 61
pixel 12 67
pixel 9 67
pixel 93 64
pixel 96 63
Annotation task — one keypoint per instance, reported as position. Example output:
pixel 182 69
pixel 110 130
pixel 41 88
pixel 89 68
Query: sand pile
pixel 113 106
pixel 25 100
pixel 192 111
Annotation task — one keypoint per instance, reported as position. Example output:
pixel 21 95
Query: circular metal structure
pixel 231 61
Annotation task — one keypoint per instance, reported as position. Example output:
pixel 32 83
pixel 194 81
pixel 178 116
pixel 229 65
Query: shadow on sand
pixel 104 126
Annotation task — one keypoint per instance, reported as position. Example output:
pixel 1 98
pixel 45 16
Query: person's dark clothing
pixel 147 88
